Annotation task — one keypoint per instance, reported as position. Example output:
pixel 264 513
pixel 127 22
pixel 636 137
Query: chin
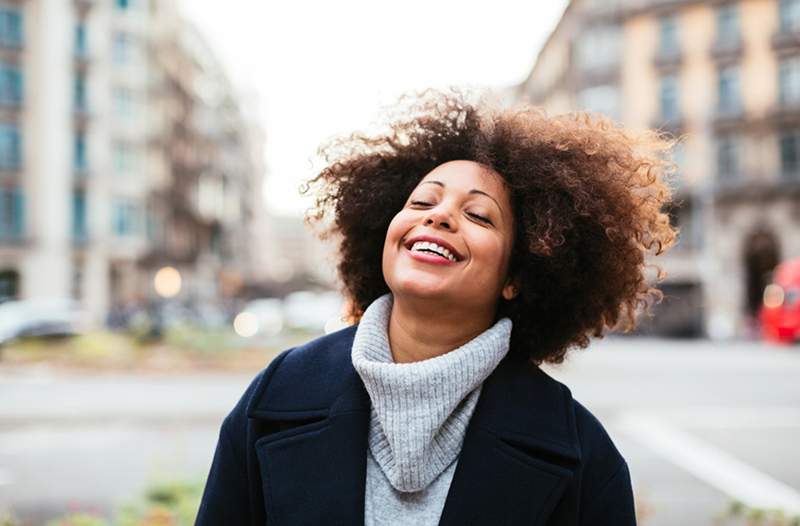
pixel 415 289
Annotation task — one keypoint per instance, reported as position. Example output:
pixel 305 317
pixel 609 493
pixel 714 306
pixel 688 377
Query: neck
pixel 418 330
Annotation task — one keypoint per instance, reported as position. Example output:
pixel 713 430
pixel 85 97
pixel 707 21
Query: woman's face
pixel 465 208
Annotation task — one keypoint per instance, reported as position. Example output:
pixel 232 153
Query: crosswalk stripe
pixel 710 464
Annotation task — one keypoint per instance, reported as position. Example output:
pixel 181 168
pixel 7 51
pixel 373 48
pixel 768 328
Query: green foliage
pixel 200 339
pixel 79 519
pixel 173 502
pixel 740 514
pixel 165 503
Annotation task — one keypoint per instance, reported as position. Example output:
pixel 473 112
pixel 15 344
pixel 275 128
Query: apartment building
pixel 95 132
pixel 725 76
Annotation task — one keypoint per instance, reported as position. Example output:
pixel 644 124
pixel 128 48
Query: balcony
pixel 727 50
pixel 83 6
pixel 786 42
pixel 748 188
pixel 81 116
pixel 728 117
pixel 609 11
pixel 10 109
pixel 784 113
pixel 668 59
pixel 82 59
pixel 597 74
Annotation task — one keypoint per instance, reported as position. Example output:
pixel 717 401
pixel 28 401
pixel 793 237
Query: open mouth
pixel 432 249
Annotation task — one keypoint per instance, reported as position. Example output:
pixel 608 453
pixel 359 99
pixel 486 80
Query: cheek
pixel 494 255
pixel 394 233
pixel 491 248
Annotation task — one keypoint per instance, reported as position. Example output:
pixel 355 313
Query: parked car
pixel 780 312
pixel 313 311
pixel 260 317
pixel 41 317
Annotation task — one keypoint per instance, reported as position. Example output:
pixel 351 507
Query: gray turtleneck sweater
pixel 420 413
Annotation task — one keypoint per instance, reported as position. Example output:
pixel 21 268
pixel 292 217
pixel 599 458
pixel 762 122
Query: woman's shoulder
pixel 318 355
pixel 306 376
pixel 599 453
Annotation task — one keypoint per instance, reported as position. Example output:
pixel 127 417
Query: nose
pixel 439 217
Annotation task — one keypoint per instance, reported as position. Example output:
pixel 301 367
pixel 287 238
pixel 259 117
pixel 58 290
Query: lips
pixel 433 239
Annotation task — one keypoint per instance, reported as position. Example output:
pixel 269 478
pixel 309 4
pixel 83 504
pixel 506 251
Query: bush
pixel 165 503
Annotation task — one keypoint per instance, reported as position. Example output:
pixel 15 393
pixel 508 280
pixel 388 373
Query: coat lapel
pixel 310 422
pixel 315 473
pixel 520 451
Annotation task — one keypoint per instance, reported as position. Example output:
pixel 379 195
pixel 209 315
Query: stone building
pixel 724 76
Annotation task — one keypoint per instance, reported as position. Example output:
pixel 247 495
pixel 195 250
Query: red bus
pixel 780 310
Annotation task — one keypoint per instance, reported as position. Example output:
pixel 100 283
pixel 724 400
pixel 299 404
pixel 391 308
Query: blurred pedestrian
pixel 476 244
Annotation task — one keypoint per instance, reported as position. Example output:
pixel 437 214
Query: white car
pixel 313 311
pixel 41 317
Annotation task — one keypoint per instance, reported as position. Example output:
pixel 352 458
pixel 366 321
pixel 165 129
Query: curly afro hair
pixel 587 198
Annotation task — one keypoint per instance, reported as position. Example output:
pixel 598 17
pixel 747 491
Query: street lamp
pixel 167 282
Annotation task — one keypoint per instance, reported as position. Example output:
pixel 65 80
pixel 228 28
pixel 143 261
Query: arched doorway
pixel 9 285
pixel 761 255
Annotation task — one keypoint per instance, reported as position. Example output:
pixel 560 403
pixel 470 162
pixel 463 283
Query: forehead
pixel 468 175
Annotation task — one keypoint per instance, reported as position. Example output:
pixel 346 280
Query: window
pixel 80 152
pixel 10 147
pixel 10 85
pixel 789 82
pixel 125 217
pixel 727 25
pixel 125 158
pixel 728 97
pixel 602 99
pixel 790 155
pixel 668 97
pixel 669 44
pixel 80 93
pixel 598 47
pixel 12 214
pixel 123 102
pixel 81 45
pixel 79 214
pixel 121 48
pixel 789 15
pixel 123 4
pixel 728 168
pixel 10 27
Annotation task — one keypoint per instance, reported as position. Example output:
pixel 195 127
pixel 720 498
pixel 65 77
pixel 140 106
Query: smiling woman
pixel 476 243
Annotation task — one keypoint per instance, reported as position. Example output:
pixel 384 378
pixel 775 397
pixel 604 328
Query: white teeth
pixel 426 245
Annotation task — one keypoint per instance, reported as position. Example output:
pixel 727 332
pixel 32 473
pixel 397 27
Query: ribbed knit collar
pixel 420 410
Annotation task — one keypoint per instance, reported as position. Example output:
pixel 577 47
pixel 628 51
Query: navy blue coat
pixel 293 451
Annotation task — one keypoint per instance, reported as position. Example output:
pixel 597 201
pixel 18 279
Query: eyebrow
pixel 473 191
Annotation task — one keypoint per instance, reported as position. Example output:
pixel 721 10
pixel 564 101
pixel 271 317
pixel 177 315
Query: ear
pixel 510 289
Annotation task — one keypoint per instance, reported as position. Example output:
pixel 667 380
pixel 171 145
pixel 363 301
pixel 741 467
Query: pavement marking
pixel 716 417
pixel 710 464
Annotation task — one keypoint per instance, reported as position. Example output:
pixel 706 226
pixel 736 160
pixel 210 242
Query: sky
pixel 321 69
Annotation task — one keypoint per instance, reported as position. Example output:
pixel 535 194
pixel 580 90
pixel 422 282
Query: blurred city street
pixel 100 438
pixel 159 160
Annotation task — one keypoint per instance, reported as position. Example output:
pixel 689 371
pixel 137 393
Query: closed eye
pixel 420 203
pixel 479 218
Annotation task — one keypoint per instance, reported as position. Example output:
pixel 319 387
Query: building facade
pixel 115 161
pixel 724 76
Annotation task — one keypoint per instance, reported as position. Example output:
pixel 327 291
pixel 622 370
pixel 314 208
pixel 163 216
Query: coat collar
pixel 519 453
